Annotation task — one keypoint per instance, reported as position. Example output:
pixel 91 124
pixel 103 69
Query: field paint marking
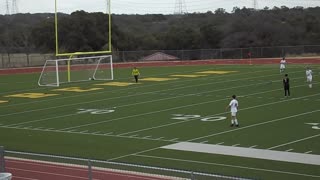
pixel 246 108
pixel 175 139
pixel 54 107
pixel 18 177
pixel 120 106
pixel 110 98
pixel 134 104
pixel 203 142
pixel 27 122
pixel 308 152
pixel 137 87
pixel 228 165
pixel 220 143
pixel 253 146
pixel 292 142
pixel 257 124
pixel 143 114
pixel 235 145
pixel 252 107
pixel 91 134
pixel 288 150
pixel 246 152
pixel 136 153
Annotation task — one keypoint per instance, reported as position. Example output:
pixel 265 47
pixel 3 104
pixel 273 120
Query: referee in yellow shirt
pixel 135 74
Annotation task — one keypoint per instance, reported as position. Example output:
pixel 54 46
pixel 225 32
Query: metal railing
pixel 106 169
pixel 2 162
pixel 16 60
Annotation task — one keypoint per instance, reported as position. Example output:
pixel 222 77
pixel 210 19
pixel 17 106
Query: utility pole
pixel 14 7
pixel 255 4
pixel 7 7
pixel 11 7
pixel 180 7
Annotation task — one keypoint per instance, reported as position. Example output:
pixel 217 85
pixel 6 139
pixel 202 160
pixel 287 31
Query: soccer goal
pixel 59 71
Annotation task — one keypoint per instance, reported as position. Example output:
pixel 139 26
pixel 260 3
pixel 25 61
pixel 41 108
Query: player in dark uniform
pixel 286 85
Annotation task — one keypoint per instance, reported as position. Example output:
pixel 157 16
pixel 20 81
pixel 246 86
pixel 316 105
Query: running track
pixel 315 60
pixel 31 170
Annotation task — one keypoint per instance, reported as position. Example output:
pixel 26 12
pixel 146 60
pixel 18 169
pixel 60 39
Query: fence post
pixel 2 161
pixel 2 63
pixel 192 176
pixel 89 170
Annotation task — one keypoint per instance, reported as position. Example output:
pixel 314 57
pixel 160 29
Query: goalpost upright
pixel 108 51
pixel 71 55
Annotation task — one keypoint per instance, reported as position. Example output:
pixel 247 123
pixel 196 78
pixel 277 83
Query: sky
pixel 147 6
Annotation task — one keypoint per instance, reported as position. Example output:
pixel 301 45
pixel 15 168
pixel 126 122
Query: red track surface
pixel 179 63
pixel 30 170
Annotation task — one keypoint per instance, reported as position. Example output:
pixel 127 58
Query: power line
pixel 11 7
pixel 180 7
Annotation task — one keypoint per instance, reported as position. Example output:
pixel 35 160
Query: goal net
pixel 56 72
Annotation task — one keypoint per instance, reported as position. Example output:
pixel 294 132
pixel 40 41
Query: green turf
pixel 141 116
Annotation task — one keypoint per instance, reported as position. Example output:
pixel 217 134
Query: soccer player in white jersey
pixel 282 64
pixel 309 76
pixel 233 105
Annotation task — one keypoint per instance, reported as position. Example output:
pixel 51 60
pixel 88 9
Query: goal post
pixel 63 26
pixel 59 71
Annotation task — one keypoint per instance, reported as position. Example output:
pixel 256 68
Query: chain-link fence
pixel 33 60
pixel 98 169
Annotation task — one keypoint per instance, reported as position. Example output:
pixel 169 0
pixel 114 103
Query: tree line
pixel 83 31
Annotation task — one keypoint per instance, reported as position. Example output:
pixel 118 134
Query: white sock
pixel 232 121
pixel 236 121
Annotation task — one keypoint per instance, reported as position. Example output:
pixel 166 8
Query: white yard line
pixel 106 99
pixel 292 142
pixel 257 124
pixel 127 105
pixel 92 134
pixel 252 107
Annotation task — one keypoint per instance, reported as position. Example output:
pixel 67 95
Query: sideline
pixel 246 152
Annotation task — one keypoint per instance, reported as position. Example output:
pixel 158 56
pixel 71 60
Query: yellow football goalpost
pixel 52 75
pixel 108 11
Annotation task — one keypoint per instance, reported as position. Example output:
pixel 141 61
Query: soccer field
pixel 135 123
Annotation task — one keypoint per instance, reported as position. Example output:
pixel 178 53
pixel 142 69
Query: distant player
pixel 283 63
pixel 309 77
pixel 233 105
pixel 286 85
pixel 135 74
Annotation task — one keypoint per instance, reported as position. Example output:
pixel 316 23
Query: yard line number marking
pixel 315 126
pixel 95 111
pixel 187 117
